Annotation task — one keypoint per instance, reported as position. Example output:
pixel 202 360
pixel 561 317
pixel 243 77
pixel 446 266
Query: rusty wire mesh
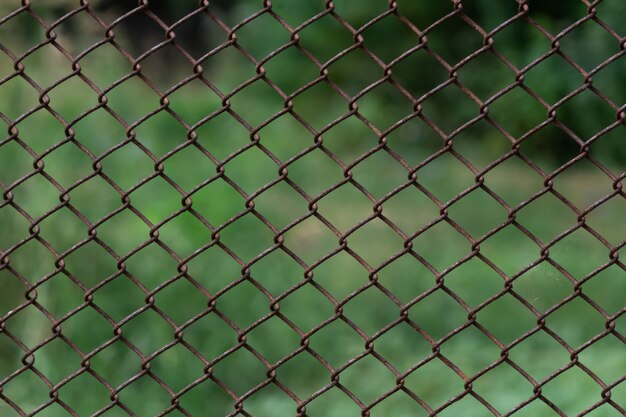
pixel 381 289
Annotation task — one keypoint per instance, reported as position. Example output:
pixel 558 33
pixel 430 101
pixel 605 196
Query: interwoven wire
pixel 219 169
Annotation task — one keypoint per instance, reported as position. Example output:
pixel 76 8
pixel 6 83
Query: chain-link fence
pixel 312 208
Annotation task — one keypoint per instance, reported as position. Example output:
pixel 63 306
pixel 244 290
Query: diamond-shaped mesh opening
pixel 570 400
pixel 495 387
pixel 307 105
pixel 254 111
pixel 608 347
pixel 270 400
pixel 562 217
pixel 151 64
pixel 246 249
pixel 434 382
pixel 281 204
pixel 332 401
pixel 195 99
pixel 18 97
pixel 63 284
pixel 482 135
pixel 228 371
pixel 427 243
pixel 543 286
pixel 475 222
pixel 609 301
pixel 585 124
pixel 433 305
pixel 55 166
pixel 291 70
pixel 24 194
pixel 521 99
pixel 400 355
pixel 27 391
pixel 101 329
pixel 197 234
pixel 589 44
pixel 537 407
pixel 95 190
pixel 21 161
pixel 399 209
pixel 73 392
pixel 436 108
pixel 552 78
pixel 63 229
pixel 311 240
pixel 166 300
pixel 400 403
pixel 236 208
pixel 419 72
pixel 474 282
pixel 261 36
pixel 445 177
pixel 389 26
pixel 337 332
pixel 277 272
pixel 133 396
pixel 257 306
pixel 14 289
pixel 148 343
pixel 120 99
pixel 167 366
pixel 535 147
pixel 168 203
pixel 210 336
pixel 606 150
pixel 307 298
pixel 485 352
pixel 22 256
pixel 290 374
pixel 406 278
pixel 390 242
pixel 567 320
pixel 90 136
pixel 299 172
pixel 248 176
pixel 263 339
pixel 44 358
pixel 540 366
pixel 371 310
pixel 567 180
pixel 490 66
pixel 72 98
pixel 121 354
pixel 453 30
pixel 385 105
pixel 41 130
pixel 354 378
pixel 116 65
pixel 339 73
pixel 520 318
pixel 596 253
pixel 341 275
pixel 528 181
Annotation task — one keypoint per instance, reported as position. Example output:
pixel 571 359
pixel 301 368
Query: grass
pixel 267 294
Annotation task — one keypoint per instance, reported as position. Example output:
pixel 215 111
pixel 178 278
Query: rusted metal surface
pixel 29 353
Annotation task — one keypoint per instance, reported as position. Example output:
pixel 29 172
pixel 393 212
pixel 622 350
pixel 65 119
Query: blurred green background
pixel 91 265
